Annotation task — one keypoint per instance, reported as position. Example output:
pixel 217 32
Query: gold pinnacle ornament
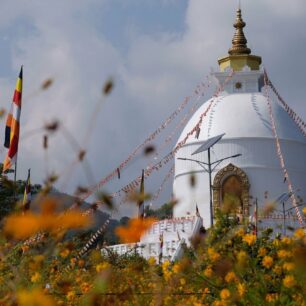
pixel 239 41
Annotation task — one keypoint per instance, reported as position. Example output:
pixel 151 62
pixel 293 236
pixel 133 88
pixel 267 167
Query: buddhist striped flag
pixel 13 126
pixel 141 207
pixel 27 193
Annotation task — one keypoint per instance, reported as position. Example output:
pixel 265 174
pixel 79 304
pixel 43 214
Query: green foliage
pixel 227 265
pixel 164 212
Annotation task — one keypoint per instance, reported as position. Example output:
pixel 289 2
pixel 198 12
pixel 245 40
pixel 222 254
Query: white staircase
pixel 175 233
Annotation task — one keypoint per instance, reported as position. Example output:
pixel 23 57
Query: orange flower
pixel 34 297
pixel 64 253
pixel 152 262
pixel 262 252
pixel 284 254
pixel 134 230
pixel 249 239
pixel 22 226
pixel 299 233
pixel 102 266
pixel 240 232
pixel 225 294
pixel 213 255
pixel 208 272
pixel 288 266
pixel 277 270
pixel 241 289
pixel 289 281
pixel 74 219
pixel 267 262
pixel 230 277
pixel 271 297
pixel 35 277
pixel 26 225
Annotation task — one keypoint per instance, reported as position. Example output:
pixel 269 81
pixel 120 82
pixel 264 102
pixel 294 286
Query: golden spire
pixel 239 41
pixel 239 55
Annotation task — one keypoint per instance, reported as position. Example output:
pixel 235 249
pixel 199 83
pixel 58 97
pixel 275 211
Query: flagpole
pixel 15 179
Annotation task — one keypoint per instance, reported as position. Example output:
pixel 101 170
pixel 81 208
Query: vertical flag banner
pixel 161 245
pixel 141 210
pixel 13 126
pixel 27 193
pixel 197 211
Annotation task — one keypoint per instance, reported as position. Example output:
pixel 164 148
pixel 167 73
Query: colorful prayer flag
pixel 13 126
pixel 27 193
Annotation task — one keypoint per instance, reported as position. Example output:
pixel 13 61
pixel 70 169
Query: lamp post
pixel 209 170
pixel 283 199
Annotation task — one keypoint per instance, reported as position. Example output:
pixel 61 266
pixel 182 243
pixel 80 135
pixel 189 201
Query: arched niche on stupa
pixel 231 186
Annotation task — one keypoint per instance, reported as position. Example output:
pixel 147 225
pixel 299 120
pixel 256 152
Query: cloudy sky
pixel 155 51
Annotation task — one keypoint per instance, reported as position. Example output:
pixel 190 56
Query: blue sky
pixel 156 52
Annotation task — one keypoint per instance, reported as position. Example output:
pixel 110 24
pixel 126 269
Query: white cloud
pixel 152 76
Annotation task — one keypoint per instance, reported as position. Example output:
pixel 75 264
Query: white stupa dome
pixel 241 112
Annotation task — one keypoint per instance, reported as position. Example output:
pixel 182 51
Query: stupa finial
pixel 239 42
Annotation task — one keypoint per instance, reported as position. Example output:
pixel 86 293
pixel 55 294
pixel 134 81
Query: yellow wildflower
pixel 288 266
pixel 286 240
pixel 64 253
pixel 276 242
pixel 152 261
pixel 267 262
pixel 277 269
pixel 183 281
pixel 219 303
pixel 166 272
pixel 267 278
pixel 249 239
pixel 73 260
pixel 102 266
pixel 85 287
pixel 208 272
pixel 271 297
pixel 35 277
pixel 70 295
pixel 304 210
pixel 230 277
pixel 241 289
pixel 166 265
pixel 240 232
pixel 213 255
pixel 35 297
pixel 289 281
pixel 242 258
pixel 176 268
pixel 299 233
pixel 284 254
pixel 262 252
pixel 225 294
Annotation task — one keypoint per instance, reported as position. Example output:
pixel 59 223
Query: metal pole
pixel 210 190
pixel 284 220
pixel 256 215
pixel 15 179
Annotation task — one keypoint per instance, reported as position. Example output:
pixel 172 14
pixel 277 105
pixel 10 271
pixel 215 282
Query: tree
pixel 164 212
